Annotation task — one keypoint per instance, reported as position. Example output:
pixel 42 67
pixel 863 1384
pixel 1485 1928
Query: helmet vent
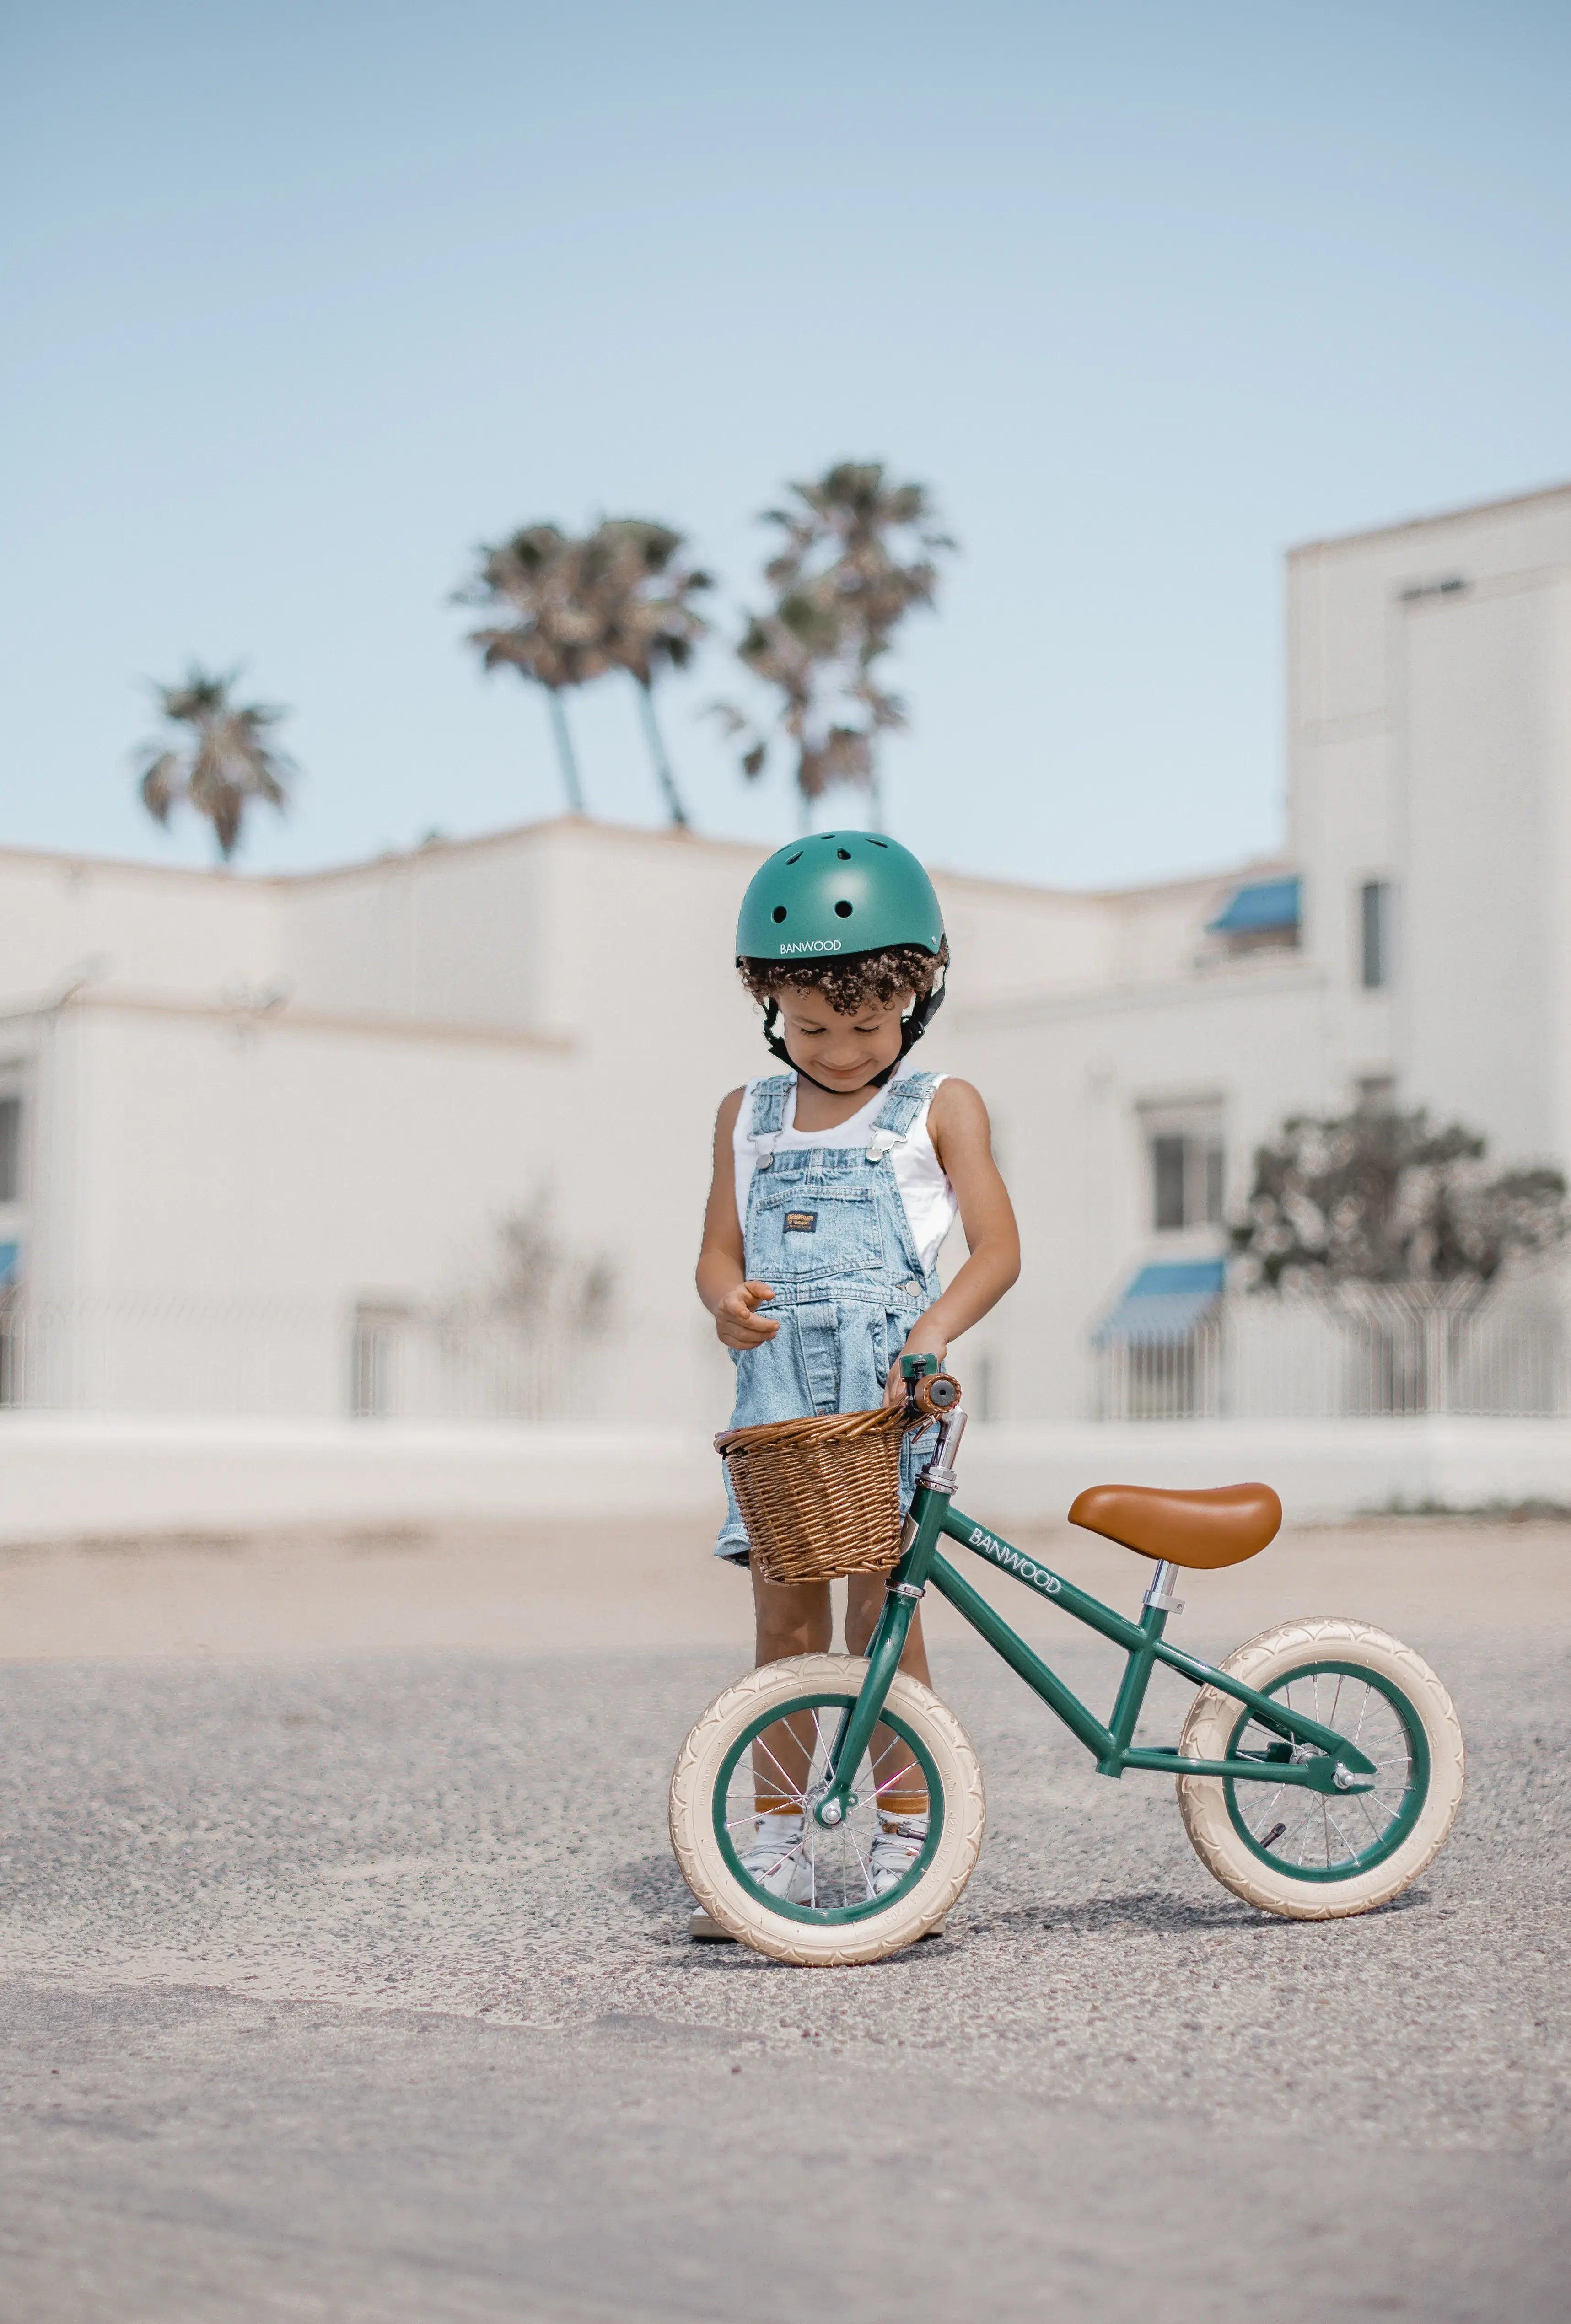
pixel 843 910
pixel 844 853
pixel 878 842
pixel 795 858
pixel 778 913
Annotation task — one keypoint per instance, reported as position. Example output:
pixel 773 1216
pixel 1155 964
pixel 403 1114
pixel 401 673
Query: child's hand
pixel 920 1342
pixel 735 1322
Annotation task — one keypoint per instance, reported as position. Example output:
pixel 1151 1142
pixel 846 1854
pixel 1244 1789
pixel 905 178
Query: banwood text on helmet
pixel 835 894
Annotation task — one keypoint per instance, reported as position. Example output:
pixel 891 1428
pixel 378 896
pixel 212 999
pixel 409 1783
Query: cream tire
pixel 1213 1717
pixel 738 1908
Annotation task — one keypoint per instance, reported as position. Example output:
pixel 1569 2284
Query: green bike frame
pixel 1331 1763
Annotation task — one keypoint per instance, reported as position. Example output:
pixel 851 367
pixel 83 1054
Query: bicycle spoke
pixel 866 1874
pixel 1347 1850
pixel 1379 1830
pixel 799 1797
pixel 1311 1834
pixel 825 1868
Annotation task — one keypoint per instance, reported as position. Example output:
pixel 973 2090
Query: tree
pixel 535 1281
pixel 542 580
pixel 543 1280
pixel 223 763
pixel 643 589
pixel 857 553
pixel 1380 1198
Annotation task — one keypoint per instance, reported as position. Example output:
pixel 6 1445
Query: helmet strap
pixel 915 1023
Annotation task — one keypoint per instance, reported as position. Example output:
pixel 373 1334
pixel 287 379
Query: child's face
pixel 841 1052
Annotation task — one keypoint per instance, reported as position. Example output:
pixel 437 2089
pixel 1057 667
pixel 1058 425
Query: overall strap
pixel 903 1100
pixel 769 1104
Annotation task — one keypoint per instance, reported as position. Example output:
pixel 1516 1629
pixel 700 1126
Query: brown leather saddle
pixel 1220 1526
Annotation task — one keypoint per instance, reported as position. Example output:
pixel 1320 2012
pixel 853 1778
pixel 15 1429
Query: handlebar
pixel 929 1391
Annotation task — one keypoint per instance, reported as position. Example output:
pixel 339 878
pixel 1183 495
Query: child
pixel 835 1186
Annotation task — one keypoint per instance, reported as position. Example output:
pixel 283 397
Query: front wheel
pixel 759 1757
pixel 1310 1855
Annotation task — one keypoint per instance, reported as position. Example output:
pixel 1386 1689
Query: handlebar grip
pixel 939 1393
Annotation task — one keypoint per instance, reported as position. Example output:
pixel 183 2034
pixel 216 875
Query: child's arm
pixel 722 1276
pixel 962 1139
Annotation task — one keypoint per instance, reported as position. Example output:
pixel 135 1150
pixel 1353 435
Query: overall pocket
pixel 804 1230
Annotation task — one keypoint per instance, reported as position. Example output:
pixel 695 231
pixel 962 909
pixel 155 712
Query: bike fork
pixel 906 1586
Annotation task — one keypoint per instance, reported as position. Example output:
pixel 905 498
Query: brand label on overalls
pixel 800 1222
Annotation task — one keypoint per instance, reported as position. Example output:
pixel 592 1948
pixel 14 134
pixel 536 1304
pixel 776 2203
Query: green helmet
pixel 837 893
pixel 840 891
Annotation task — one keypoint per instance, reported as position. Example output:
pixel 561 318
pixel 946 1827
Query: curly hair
pixel 851 982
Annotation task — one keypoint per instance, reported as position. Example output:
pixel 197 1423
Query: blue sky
pixel 304 301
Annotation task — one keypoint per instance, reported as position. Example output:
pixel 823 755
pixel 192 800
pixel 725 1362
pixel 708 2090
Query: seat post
pixel 1161 1594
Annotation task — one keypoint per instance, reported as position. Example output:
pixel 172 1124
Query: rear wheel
pixel 1315 1855
pixel 766 1742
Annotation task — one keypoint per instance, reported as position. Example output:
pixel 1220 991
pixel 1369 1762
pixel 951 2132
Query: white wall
pixel 1065 1081
pixel 63 1476
pixel 1428 744
pixel 1486 778
pixel 129 926
pixel 445 1036
pixel 333 1088
pixel 452 935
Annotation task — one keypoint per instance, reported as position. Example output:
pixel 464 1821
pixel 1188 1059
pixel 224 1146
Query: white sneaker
pixel 895 1850
pixel 777 1860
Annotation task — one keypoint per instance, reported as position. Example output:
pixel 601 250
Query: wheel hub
pixel 826 1809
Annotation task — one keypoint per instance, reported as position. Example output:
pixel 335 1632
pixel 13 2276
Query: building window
pixel 10 1149
pixel 1188 1166
pixel 1375 932
pixel 373 1354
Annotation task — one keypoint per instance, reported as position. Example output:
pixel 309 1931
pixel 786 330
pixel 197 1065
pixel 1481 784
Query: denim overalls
pixel 826 1226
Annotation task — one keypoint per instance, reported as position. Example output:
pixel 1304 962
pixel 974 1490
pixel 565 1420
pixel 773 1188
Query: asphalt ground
pixel 346 1978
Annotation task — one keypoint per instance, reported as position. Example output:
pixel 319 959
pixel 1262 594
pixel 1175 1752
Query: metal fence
pixel 298 1360
pixel 1384 1352
pixel 1379 1350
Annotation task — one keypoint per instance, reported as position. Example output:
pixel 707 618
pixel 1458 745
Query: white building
pixel 259 1137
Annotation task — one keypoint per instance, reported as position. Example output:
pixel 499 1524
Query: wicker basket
pixel 820 1497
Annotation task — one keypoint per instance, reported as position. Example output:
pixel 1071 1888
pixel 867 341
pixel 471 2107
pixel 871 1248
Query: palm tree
pixel 645 590
pixel 223 764
pixel 542 579
pixel 858 553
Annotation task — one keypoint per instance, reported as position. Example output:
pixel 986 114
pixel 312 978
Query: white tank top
pixel 925 1192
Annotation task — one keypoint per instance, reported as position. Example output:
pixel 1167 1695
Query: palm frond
pixel 857 551
pixel 160 777
pixel 225 763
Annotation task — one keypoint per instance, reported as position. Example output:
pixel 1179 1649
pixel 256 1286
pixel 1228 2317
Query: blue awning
pixel 10 1252
pixel 1263 905
pixel 1165 1303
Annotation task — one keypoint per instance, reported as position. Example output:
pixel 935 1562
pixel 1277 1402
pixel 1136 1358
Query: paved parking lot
pixel 345 1973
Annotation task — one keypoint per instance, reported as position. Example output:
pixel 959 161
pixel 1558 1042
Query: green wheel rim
pixel 727 1820
pixel 1327 1836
